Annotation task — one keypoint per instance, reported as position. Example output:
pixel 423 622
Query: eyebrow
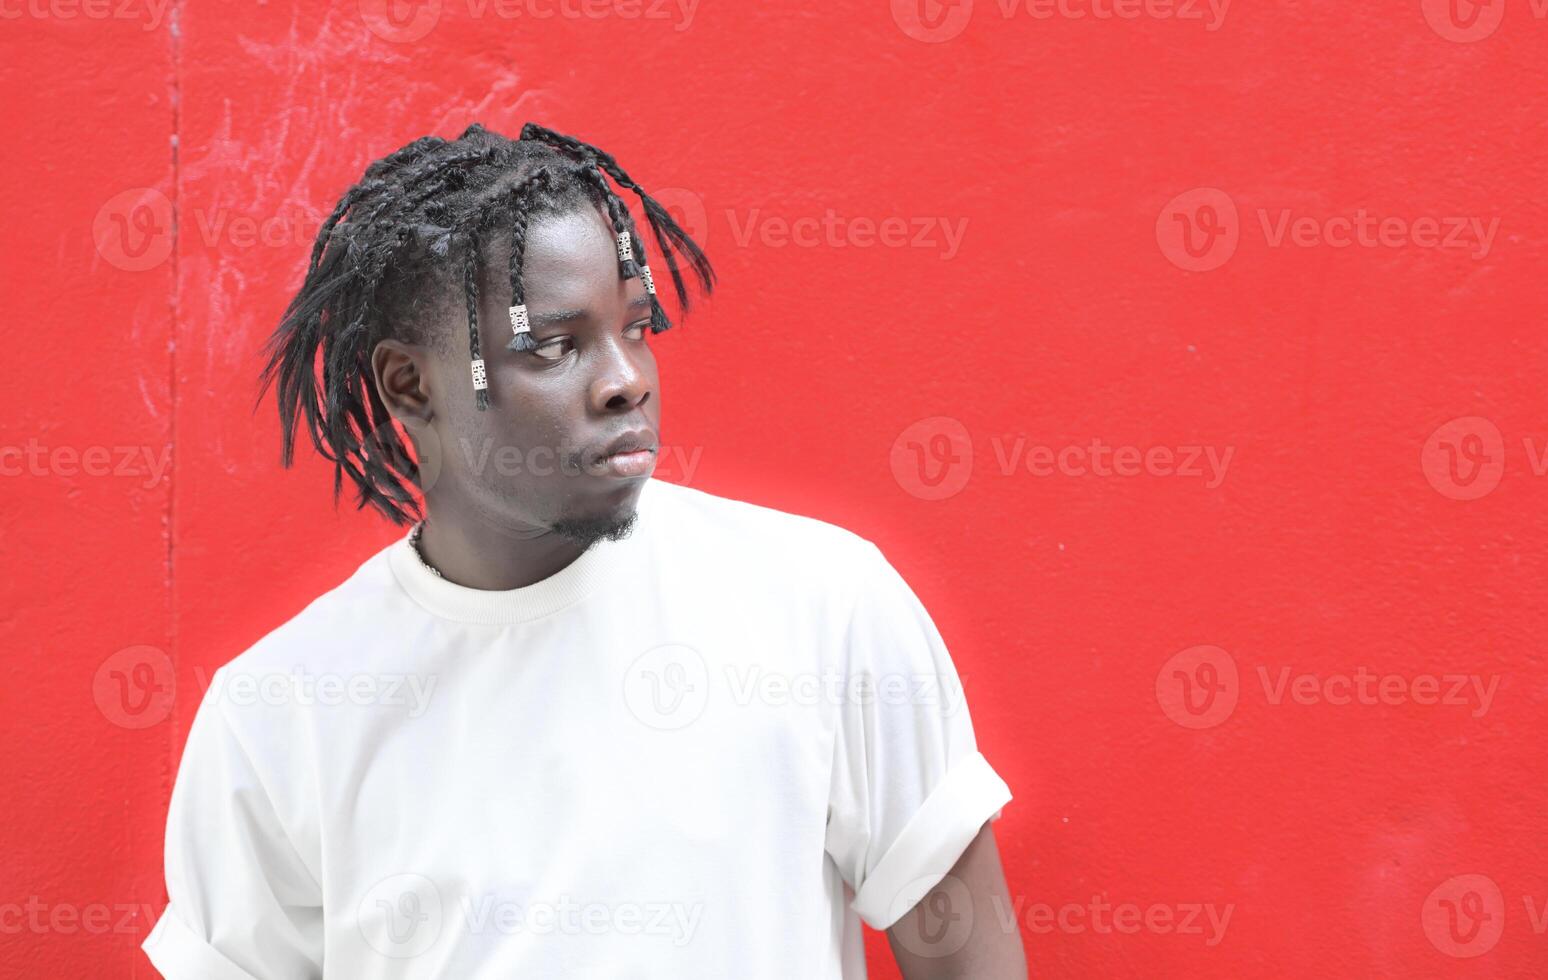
pixel 566 316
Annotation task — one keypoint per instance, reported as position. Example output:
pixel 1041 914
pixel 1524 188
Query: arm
pixel 957 931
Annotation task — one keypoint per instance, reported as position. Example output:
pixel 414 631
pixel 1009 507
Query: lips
pixel 627 443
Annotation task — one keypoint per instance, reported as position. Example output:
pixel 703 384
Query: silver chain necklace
pixel 414 544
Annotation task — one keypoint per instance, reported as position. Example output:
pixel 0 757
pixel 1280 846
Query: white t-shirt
pixel 709 749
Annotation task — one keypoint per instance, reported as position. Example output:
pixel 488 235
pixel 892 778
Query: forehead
pixel 570 258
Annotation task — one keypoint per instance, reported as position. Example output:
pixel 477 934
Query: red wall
pixel 1357 531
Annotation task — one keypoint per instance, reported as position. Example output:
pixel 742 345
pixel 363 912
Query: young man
pixel 578 722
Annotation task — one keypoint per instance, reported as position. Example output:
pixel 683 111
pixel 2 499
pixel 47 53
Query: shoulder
pixel 759 534
pixel 258 709
pixel 328 630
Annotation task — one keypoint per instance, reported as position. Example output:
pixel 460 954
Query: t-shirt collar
pixel 564 588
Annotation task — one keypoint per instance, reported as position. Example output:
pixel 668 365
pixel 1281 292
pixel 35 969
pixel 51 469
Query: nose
pixel 622 384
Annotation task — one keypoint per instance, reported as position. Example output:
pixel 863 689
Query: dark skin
pixel 494 525
pixel 955 931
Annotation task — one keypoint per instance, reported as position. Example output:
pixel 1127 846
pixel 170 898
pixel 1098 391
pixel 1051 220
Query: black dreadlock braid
pixel 470 266
pixel 661 223
pixel 386 257
pixel 617 218
pixel 540 181
pixel 631 251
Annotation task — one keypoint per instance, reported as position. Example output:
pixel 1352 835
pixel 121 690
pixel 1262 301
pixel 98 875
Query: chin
pixel 612 524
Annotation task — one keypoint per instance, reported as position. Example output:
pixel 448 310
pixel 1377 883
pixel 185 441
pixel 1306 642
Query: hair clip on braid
pixel 521 327
pixel 658 317
pixel 627 267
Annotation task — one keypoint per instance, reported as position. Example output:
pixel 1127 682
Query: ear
pixel 402 379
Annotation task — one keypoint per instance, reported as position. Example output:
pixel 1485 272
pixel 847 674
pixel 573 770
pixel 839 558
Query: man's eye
pixel 638 329
pixel 552 350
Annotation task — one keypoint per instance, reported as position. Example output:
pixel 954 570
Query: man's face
pixel 534 461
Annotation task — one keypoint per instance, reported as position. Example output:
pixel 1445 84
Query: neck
pixel 471 551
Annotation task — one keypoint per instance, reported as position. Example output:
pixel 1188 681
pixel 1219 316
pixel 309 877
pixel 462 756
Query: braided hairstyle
pixel 391 248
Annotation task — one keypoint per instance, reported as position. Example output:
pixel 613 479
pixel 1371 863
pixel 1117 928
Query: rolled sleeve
pixel 177 951
pixel 932 841
pixel 909 788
